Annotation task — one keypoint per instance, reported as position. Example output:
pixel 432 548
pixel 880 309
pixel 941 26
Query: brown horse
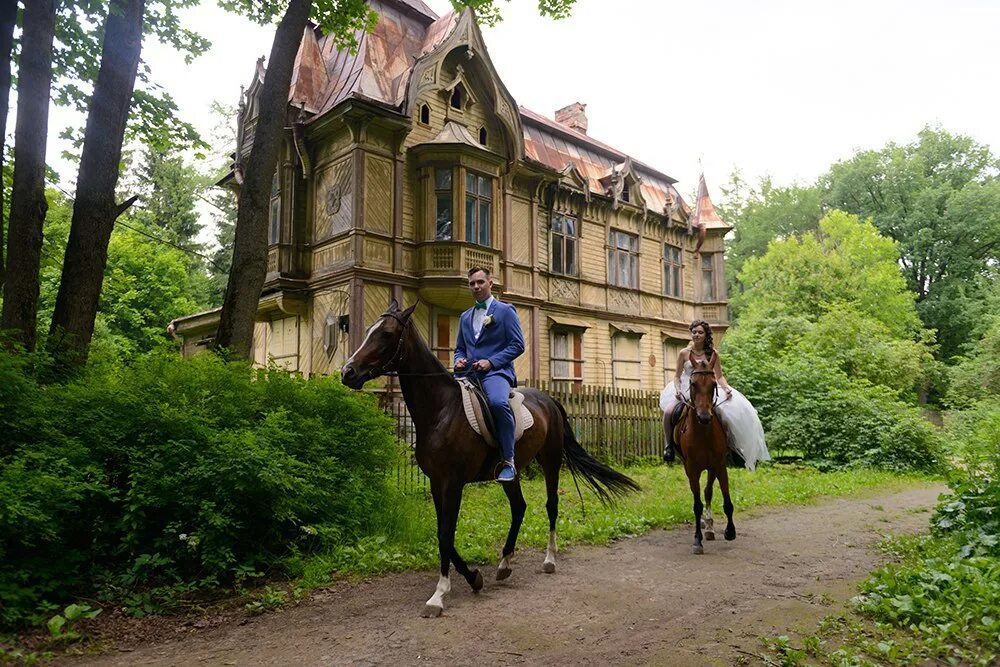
pixel 452 454
pixel 703 446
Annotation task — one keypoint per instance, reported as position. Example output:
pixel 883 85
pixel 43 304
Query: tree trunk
pixel 95 210
pixel 27 202
pixel 249 267
pixel 8 18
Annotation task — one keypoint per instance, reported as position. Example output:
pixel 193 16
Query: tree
pixel 28 204
pixel 249 264
pixel 939 198
pixel 845 262
pixel 8 19
pixel 762 214
pixel 95 209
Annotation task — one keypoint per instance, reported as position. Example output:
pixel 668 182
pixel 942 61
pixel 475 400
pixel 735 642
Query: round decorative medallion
pixel 652 360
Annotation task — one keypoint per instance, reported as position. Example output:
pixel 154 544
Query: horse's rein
pixel 398 356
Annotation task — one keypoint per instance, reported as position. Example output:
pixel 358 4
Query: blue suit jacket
pixel 501 341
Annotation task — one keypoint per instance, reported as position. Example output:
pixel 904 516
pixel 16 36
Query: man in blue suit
pixel 489 334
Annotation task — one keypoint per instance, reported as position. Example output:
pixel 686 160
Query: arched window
pixel 425 114
pixel 457 96
pixel 482 136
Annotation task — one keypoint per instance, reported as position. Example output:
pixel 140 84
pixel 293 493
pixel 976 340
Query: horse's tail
pixel 606 482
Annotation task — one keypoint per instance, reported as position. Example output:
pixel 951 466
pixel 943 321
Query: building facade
pixel 409 162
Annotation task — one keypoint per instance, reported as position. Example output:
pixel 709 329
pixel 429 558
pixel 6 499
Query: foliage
pixel 976 376
pixel 830 350
pixel 939 198
pixel 763 214
pixel 170 475
pixel 845 261
pixel 76 62
pixel 939 602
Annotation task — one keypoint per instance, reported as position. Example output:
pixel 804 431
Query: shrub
pixel 176 471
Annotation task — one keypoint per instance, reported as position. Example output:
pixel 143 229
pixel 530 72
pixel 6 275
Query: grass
pixel 407 539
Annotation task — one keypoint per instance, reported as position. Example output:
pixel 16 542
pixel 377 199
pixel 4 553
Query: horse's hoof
pixel 477 582
pixel 503 573
pixel 697 549
pixel 431 611
pixel 730 534
pixel 548 567
pixel 710 535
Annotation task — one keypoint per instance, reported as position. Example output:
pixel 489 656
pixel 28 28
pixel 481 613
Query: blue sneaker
pixel 507 472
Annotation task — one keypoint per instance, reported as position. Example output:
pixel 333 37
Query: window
pixel 671 270
pixel 567 356
pixel 274 217
pixel 671 348
pixel 709 292
pixel 442 195
pixel 478 200
pixel 625 192
pixel 565 237
pixel 625 365
pixel 283 342
pixel 456 97
pixel 425 114
pixel 482 136
pixel 623 259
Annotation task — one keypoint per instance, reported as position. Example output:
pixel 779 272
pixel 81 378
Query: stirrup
pixel 504 475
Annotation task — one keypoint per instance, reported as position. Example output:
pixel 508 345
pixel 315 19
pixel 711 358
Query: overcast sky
pixel 779 87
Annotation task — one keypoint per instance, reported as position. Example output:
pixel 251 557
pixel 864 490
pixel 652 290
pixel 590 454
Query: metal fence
pixel 618 426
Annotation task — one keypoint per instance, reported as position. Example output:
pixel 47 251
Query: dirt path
pixel 642 600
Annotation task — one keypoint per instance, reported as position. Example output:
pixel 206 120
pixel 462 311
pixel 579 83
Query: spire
pixel 705 216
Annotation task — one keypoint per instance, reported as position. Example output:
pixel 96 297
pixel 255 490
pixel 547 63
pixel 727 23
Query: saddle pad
pixel 479 421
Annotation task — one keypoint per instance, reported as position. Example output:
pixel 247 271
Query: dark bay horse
pixel 451 454
pixel 703 446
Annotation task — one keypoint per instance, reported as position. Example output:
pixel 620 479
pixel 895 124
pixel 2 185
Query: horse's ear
pixel 409 311
pixel 393 306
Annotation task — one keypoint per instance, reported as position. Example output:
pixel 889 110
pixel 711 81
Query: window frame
pixel 616 362
pixel 629 254
pixel 678 268
pixel 574 358
pixel 274 210
pixel 564 240
pixel 444 194
pixel 482 198
pixel 711 272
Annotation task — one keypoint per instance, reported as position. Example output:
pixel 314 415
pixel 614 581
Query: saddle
pixel 477 411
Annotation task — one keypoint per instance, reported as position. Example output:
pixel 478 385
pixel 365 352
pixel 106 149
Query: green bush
pixel 178 472
pixel 948 590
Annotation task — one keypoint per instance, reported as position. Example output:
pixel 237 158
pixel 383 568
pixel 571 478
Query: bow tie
pixel 480 304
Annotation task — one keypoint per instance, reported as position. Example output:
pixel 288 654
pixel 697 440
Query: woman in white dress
pixel 743 428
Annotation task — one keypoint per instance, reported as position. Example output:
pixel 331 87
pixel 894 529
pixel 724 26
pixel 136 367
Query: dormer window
pixel 625 192
pixel 458 97
pixel 425 114
pixel 482 136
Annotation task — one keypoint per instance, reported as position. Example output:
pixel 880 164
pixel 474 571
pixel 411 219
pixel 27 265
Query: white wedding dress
pixel 744 431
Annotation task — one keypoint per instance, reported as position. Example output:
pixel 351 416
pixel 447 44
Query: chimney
pixel 573 116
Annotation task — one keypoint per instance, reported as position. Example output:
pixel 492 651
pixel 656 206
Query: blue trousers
pixel 497 395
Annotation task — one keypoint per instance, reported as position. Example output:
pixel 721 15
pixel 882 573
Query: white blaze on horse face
pixel 372 329
pixel 443 588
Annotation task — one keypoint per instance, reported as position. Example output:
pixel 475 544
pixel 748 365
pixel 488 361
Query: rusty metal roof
pixel 704 210
pixel 380 71
pixel 557 146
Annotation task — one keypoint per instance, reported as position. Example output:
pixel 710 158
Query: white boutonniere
pixel 488 320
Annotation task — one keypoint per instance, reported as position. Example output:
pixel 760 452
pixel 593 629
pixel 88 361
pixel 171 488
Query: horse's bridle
pixel 715 392
pixel 395 359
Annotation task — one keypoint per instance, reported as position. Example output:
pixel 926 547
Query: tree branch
pixel 124 206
